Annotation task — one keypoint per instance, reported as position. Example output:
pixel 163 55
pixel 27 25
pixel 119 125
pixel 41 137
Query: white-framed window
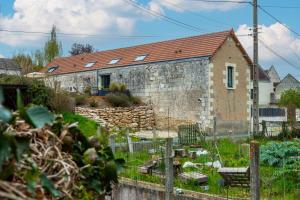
pixel 90 64
pixel 52 69
pixel 114 61
pixel 231 74
pixel 140 58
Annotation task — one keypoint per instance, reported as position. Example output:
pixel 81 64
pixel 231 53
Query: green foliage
pixel 122 87
pixel 24 61
pixel 80 99
pixel 291 96
pixel 86 126
pixel 39 92
pixel 122 100
pixel 52 48
pixel 114 87
pixel 88 90
pixel 118 100
pixel 278 154
pixel 61 101
pixel 39 116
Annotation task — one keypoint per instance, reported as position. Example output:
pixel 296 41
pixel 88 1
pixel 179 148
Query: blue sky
pixel 110 19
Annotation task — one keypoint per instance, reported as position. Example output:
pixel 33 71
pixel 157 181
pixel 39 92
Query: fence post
pixel 254 170
pixel 169 169
pixel 112 143
pixel 130 145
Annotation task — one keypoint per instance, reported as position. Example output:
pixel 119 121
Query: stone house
pixel 186 80
pixel 9 66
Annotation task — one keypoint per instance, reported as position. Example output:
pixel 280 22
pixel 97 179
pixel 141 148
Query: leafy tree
pixel 291 100
pixel 77 49
pixel 25 62
pixel 52 48
pixel 39 59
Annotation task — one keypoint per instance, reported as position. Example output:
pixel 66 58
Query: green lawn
pixel 87 126
pixel 231 156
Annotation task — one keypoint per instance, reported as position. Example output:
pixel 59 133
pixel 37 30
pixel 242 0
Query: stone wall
pixel 173 89
pixel 138 190
pixel 138 117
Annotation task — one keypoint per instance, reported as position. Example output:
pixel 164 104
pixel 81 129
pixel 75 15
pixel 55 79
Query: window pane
pixel 140 58
pixel 229 77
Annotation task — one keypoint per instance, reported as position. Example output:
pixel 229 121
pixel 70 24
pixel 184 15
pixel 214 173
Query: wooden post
pixel 254 170
pixel 112 143
pixel 169 169
pixel 130 145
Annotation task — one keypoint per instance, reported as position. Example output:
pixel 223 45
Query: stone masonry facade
pixel 137 118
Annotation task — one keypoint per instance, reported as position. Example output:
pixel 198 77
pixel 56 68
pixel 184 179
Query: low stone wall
pixel 138 190
pixel 139 117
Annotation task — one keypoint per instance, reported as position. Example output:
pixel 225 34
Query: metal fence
pixel 190 134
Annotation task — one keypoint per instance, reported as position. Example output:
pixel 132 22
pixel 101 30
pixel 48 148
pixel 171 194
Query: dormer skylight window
pixel 90 64
pixel 140 58
pixel 114 61
pixel 52 69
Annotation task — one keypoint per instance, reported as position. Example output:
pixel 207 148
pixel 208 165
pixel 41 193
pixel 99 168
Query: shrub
pixel 279 153
pixel 114 87
pixel 39 93
pixel 122 87
pixel 118 100
pixel 87 90
pixel 135 100
pixel 80 99
pixel 61 102
pixel 93 103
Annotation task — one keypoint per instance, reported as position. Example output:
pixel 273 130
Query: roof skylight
pixel 114 61
pixel 90 64
pixel 140 58
pixel 52 69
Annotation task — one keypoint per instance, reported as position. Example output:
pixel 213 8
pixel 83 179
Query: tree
pixel 24 61
pixel 291 100
pixel 52 48
pixel 77 49
pixel 38 60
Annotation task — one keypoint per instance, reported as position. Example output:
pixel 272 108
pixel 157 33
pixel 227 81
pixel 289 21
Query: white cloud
pixel 183 5
pixel 2 56
pixel 105 17
pixel 276 37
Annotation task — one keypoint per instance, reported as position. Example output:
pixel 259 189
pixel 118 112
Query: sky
pixel 108 24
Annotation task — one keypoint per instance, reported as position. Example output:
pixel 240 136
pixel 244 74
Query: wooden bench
pixel 235 176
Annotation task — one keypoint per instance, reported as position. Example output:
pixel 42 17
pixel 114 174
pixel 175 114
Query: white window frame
pixel 114 61
pixel 233 76
pixel 141 57
pixel 90 64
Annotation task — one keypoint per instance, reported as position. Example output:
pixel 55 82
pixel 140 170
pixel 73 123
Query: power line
pixel 197 14
pixel 284 7
pixel 278 55
pixel 77 34
pixel 222 1
pixel 279 21
pixel 164 17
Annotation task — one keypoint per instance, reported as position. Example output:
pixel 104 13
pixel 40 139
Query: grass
pixel 231 156
pixel 87 126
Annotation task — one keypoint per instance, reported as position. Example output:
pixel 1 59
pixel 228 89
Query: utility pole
pixel 255 71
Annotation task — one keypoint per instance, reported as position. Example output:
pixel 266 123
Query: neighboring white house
pixel 9 66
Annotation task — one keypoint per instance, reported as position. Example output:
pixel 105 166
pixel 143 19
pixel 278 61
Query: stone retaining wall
pixel 138 118
pixel 138 190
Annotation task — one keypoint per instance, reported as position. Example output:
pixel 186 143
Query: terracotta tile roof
pixel 190 47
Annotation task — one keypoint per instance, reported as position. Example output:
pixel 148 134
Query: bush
pixel 114 87
pixel 80 99
pixel 61 102
pixel 118 100
pixel 87 90
pixel 93 103
pixel 278 154
pixel 135 100
pixel 122 87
